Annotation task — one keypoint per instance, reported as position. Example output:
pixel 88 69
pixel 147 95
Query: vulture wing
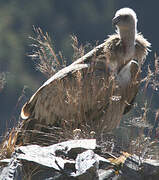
pixel 87 92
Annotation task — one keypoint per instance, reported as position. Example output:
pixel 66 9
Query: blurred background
pixel 89 20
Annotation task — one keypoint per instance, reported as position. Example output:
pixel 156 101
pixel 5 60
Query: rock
pixel 75 160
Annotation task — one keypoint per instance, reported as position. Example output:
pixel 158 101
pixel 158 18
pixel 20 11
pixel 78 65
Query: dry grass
pixel 79 50
pixel 44 56
pixel 9 139
pixel 9 144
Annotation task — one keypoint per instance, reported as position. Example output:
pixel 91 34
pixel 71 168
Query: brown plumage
pixel 95 90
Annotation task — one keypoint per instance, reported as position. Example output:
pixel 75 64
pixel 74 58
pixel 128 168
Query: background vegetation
pixel 89 20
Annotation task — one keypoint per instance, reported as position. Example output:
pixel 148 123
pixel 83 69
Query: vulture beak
pixel 115 20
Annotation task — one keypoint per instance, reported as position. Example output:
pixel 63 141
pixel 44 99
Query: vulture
pixel 95 90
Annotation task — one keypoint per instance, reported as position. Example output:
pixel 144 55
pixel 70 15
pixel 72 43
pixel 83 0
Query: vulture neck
pixel 128 39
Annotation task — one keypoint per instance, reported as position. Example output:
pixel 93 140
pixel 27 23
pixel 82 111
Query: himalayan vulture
pixel 95 90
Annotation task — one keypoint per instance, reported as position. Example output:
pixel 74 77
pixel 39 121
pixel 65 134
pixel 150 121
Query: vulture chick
pixel 95 90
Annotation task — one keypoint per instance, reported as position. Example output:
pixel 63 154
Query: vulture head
pixel 125 20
